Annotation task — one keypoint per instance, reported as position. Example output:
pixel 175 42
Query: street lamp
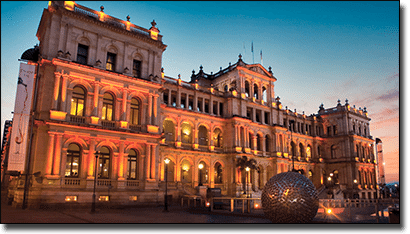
pixel 292 124
pixel 200 166
pixel 166 184
pixel 247 169
pixel 95 180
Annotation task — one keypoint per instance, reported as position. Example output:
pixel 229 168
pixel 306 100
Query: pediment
pixel 259 70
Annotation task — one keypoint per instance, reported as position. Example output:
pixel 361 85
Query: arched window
pixel 293 148
pixel 357 151
pixel 251 141
pixel 301 150
pixel 203 173
pixel 78 101
pixel 226 88
pixel 186 131
pixel 108 107
pixel 217 137
pixel 333 151
pixel 218 173
pixel 255 91
pixel 258 142
pixel 186 172
pixel 104 164
pixel 247 89
pixel 318 151
pixel 202 135
pixel 132 166
pixel 267 143
pixel 169 130
pixel 135 111
pixel 308 151
pixel 264 94
pixel 72 166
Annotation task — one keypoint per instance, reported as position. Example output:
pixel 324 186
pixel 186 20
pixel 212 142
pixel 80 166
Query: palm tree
pixel 243 163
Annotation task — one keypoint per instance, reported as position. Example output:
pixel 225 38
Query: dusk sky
pixel 319 51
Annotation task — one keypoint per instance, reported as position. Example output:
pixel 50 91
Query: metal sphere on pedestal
pixel 290 197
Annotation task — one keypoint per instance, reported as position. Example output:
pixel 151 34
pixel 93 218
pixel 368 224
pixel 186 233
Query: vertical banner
pixel 22 107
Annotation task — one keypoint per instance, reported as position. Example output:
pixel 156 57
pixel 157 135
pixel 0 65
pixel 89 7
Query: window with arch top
pixel 72 168
pixel 132 166
pixel 104 163
pixel 202 135
pixel 111 59
pixel 78 101
pixel 108 107
pixel 135 111
pixel 218 173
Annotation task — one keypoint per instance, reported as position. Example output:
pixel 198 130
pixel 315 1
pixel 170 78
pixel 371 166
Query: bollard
pixel 232 205
pixel 377 212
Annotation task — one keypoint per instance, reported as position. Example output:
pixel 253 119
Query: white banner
pixel 22 107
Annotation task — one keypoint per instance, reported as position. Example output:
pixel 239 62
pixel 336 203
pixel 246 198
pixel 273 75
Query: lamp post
pixel 247 169
pixel 166 185
pixel 97 153
pixel 200 166
pixel 292 124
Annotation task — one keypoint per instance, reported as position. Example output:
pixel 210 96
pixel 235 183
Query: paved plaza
pixel 156 214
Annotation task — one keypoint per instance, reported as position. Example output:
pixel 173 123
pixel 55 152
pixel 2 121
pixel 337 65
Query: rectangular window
pixel 221 109
pixel 328 130
pixel 166 96
pixel 183 100
pixel 285 123
pixel 199 106
pixel 82 54
pixel 107 112
pixel 207 106
pixel 104 198
pixel 334 130
pixel 191 103
pixel 71 198
pixel 136 68
pixel 110 65
pixel 215 108
pixel 267 119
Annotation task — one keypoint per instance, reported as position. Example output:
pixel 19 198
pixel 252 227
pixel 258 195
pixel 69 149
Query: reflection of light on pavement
pixel 385 213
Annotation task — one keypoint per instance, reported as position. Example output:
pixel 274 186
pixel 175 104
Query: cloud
pixel 394 77
pixel 391 95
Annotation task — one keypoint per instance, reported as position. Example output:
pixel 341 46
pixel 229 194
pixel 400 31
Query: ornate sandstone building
pixel 102 92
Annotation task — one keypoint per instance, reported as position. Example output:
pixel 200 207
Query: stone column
pixel 57 154
pixel 91 159
pixel 153 159
pixel 57 78
pixel 148 161
pixel 149 116
pixel 124 105
pixel 50 153
pixel 169 97
pixel 96 101
pixel 121 170
pixel 155 120
pixel 64 93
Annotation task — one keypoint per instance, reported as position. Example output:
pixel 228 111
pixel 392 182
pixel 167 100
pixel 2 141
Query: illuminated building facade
pixel 102 91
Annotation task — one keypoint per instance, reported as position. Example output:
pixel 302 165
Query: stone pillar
pixel 96 99
pixel 169 97
pixel 91 159
pixel 179 97
pixel 149 109
pixel 121 170
pixel 124 105
pixel 195 101
pixel 148 161
pixel 153 160
pixel 57 78
pixel 50 153
pixel 57 154
pixel 64 94
pixel 155 111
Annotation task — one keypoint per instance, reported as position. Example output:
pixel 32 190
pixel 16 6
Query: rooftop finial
pixel 270 69
pixel 102 8
pixel 200 67
pixel 128 18
pixel 240 57
pixel 153 23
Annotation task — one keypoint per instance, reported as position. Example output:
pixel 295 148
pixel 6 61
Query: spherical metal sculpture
pixel 290 197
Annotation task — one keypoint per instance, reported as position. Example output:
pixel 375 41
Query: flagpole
pixel 253 57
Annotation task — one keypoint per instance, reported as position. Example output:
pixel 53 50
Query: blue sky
pixel 319 51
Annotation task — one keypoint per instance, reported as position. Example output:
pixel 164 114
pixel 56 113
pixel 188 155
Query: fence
pixel 343 210
pixel 232 202
pixel 347 210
